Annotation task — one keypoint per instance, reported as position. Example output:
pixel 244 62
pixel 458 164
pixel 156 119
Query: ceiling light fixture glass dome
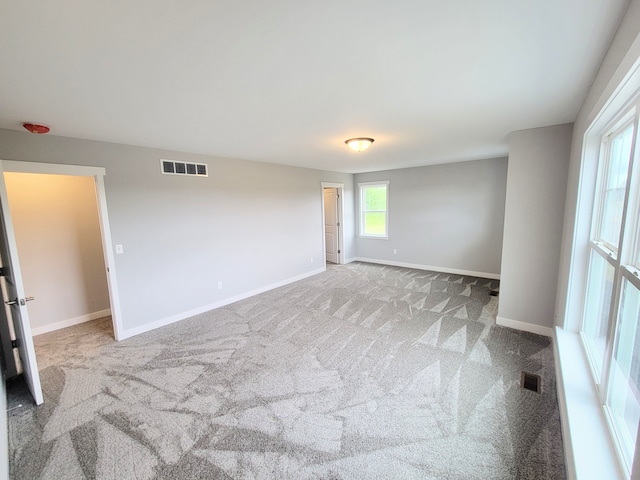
pixel 359 144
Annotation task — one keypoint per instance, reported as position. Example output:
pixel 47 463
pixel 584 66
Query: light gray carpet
pixel 363 371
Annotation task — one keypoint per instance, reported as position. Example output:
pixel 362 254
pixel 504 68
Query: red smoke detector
pixel 36 128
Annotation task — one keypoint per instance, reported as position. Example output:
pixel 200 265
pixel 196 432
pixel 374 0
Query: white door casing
pixel 331 228
pixel 22 327
pixel 98 174
pixel 13 288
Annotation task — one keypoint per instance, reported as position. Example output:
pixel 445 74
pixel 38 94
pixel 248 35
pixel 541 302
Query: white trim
pixel 350 260
pixel 98 174
pixel 524 326
pixel 107 245
pixel 369 184
pixel 589 451
pixel 163 322
pixel 70 322
pixel 469 273
pixel 52 168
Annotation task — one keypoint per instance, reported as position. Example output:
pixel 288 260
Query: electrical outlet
pixel 119 249
pixel 395 252
pixel 311 261
pixel 219 285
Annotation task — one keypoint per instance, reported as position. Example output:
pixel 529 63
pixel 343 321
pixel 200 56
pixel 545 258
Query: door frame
pixel 98 174
pixel 340 187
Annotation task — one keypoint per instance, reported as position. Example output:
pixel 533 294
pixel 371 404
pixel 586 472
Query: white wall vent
pixel 174 167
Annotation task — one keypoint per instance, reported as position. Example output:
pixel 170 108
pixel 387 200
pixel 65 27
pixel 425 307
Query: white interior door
pixel 331 224
pixel 16 300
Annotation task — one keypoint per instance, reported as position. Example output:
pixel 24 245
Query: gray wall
pixel 444 216
pixel 248 225
pixel 536 189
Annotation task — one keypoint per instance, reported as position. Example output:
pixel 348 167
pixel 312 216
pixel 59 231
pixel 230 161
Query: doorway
pixel 332 222
pixel 18 315
pixel 55 220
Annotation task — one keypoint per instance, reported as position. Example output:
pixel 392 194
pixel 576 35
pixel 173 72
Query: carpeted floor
pixel 361 372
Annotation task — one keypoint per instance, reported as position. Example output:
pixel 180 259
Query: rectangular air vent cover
pixel 173 167
pixel 530 381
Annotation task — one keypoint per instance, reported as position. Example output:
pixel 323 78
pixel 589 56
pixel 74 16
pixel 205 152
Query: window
pixel 611 314
pixel 374 203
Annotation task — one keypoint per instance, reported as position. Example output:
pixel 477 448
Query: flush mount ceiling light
pixel 359 144
pixel 36 128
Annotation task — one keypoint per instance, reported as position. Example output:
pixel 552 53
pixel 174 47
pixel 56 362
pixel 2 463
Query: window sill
pixel 375 237
pixel 589 450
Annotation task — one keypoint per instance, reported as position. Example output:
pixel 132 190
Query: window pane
pixel 615 186
pixel 612 216
pixel 374 223
pixel 624 399
pixel 596 314
pixel 375 198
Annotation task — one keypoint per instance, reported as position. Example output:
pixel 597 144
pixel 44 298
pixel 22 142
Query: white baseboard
pixel 212 306
pixel 469 273
pixel 524 326
pixel 349 260
pixel 70 322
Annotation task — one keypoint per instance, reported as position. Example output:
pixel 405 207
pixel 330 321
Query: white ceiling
pixel 288 81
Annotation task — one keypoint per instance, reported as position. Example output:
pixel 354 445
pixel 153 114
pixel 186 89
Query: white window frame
pixel 589 446
pixel 362 187
pixel 621 123
pixel 608 252
pixel 619 257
